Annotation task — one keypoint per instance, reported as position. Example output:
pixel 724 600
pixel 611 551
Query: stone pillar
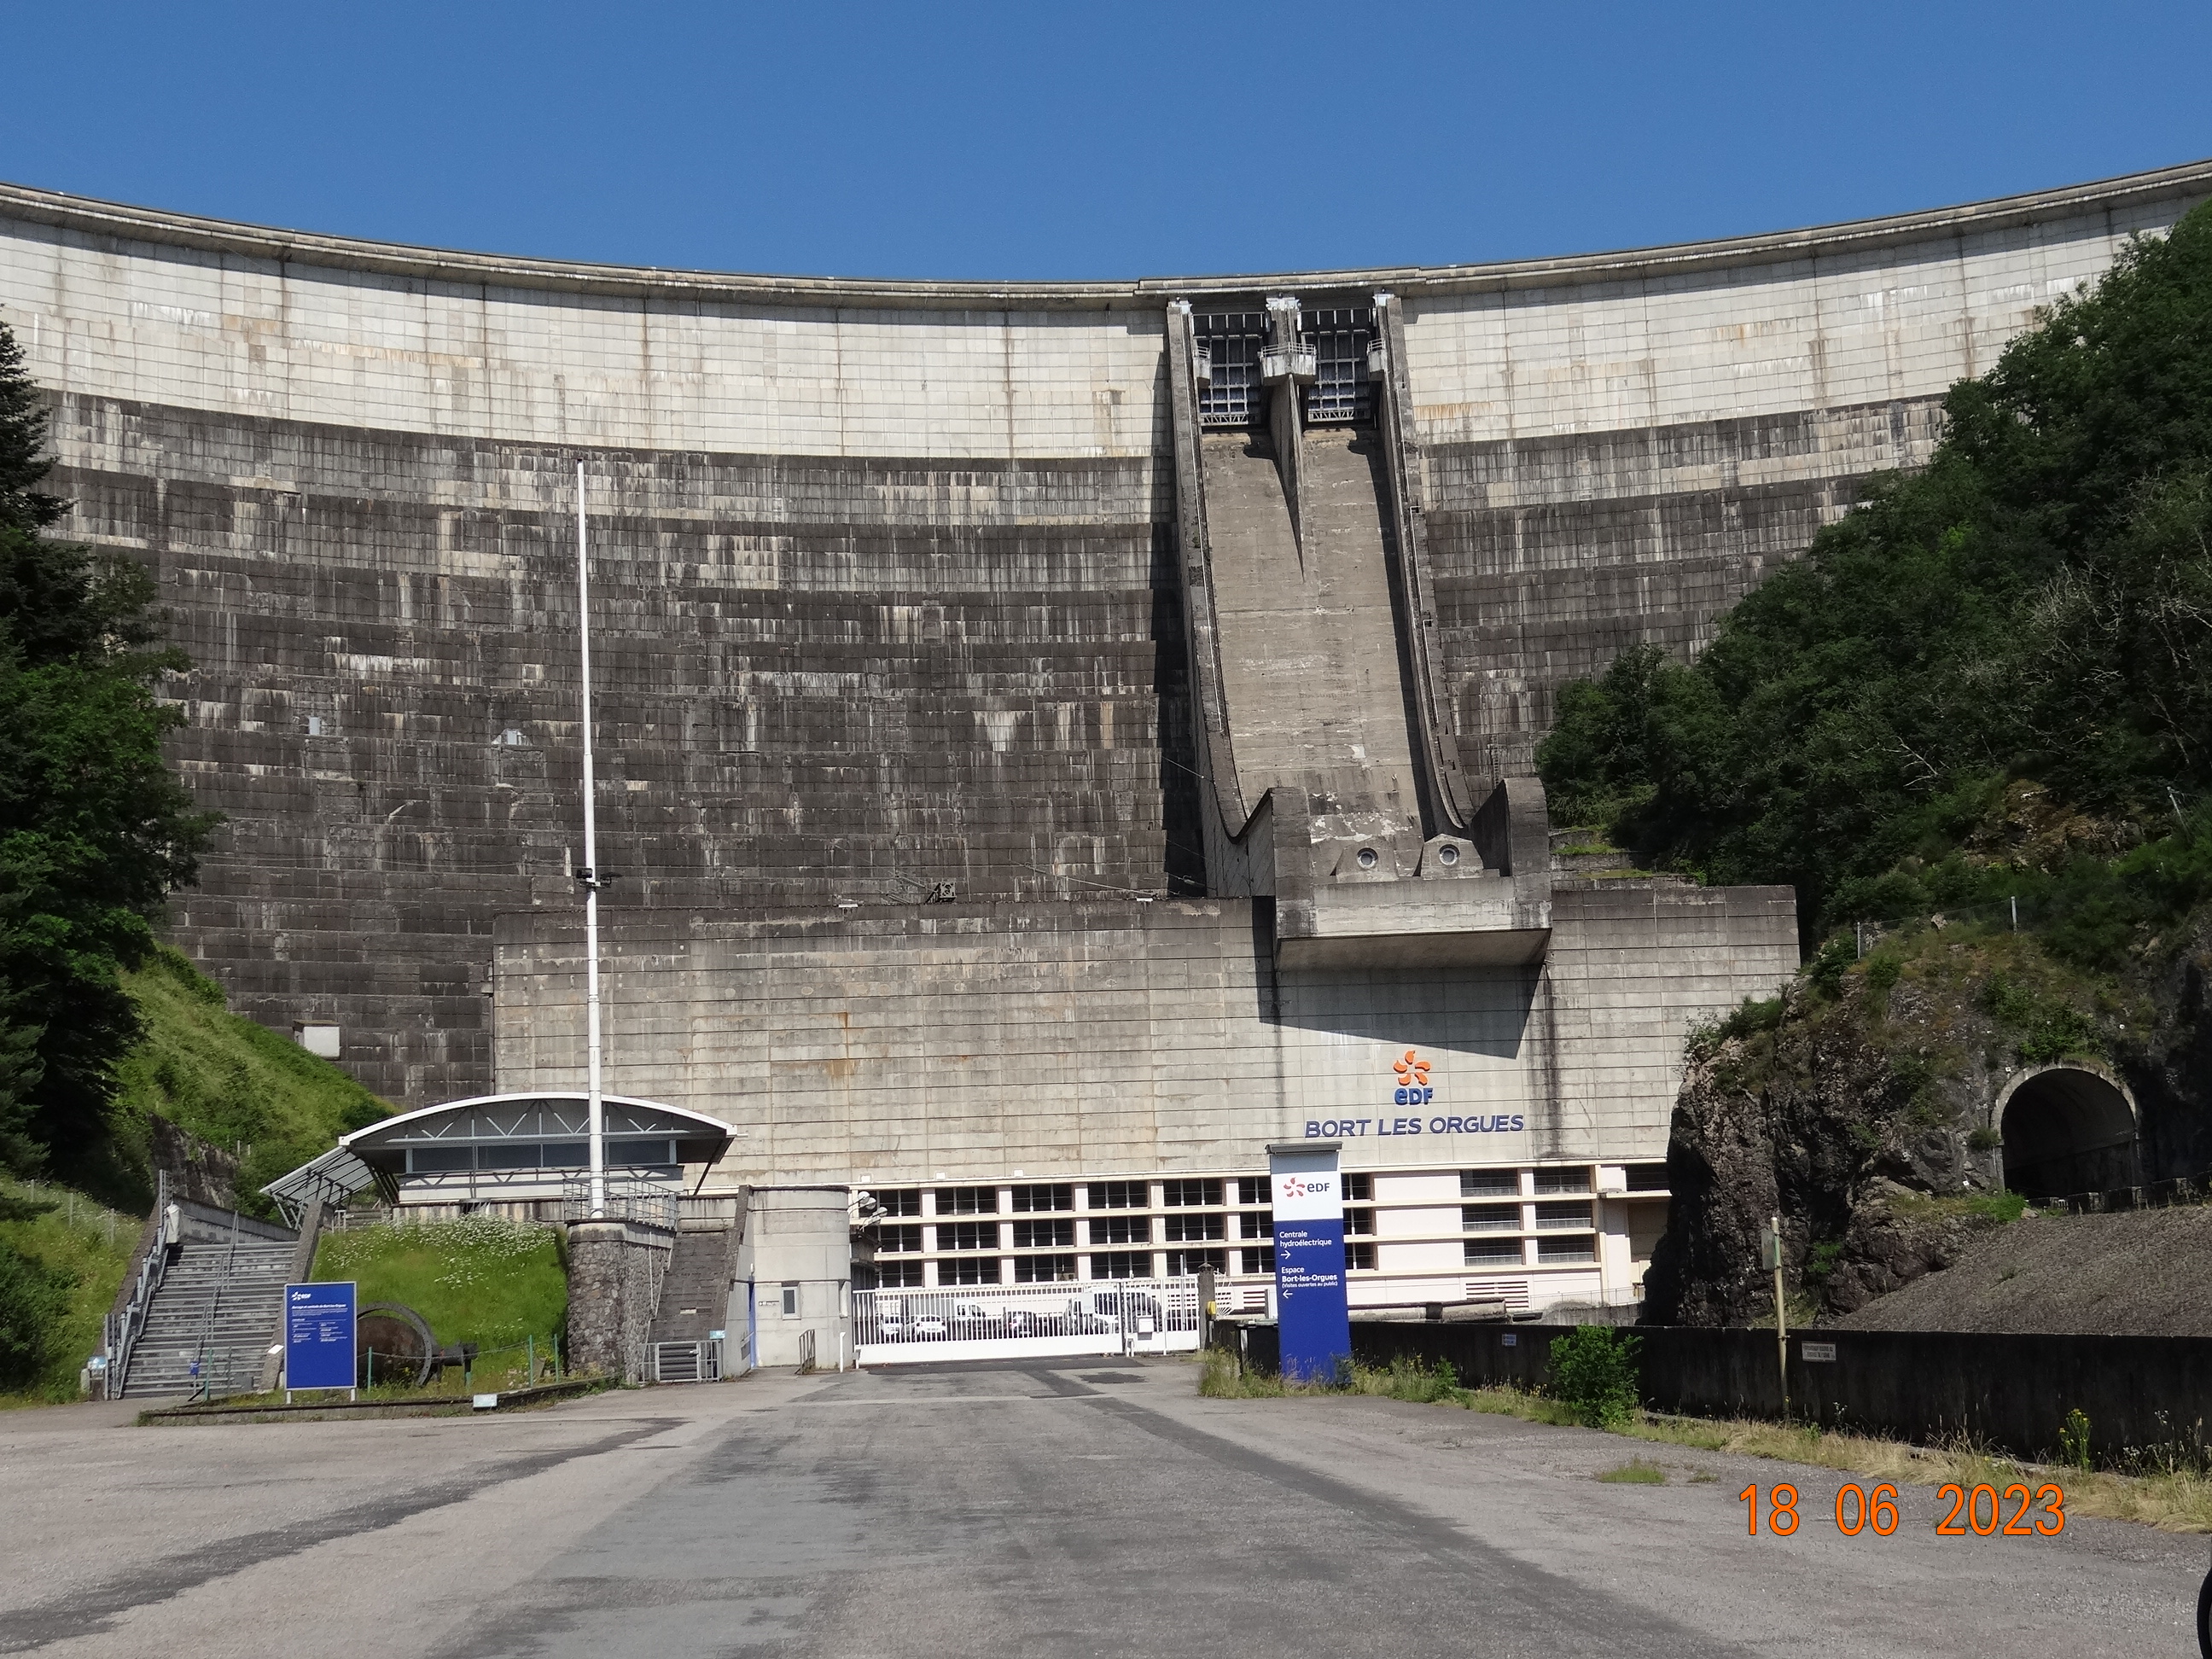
pixel 596 1253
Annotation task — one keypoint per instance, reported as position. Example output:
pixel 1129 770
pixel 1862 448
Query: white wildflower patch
pixel 466 1252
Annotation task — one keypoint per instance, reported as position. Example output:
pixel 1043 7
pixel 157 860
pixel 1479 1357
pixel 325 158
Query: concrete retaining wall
pixel 2139 1392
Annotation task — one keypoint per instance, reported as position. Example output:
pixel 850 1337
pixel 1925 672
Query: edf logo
pixel 1413 1081
pixel 303 1295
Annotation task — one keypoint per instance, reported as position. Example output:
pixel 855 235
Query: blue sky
pixel 1108 141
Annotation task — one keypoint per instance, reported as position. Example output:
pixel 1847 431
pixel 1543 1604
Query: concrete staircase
pixel 695 1300
pixel 219 1305
pixel 695 1297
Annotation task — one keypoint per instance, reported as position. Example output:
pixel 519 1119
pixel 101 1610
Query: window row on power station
pixel 898 1274
pixel 1240 1192
pixel 506 1156
pixel 1046 1199
pixel 1195 1227
pixel 1059 1232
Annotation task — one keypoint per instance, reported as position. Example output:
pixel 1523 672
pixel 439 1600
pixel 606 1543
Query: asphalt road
pixel 1075 1509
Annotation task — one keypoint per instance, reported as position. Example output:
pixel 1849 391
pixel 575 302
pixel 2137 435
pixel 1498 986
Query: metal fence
pixel 1094 1316
pixel 647 1203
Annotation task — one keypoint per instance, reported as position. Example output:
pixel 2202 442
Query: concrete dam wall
pixel 909 589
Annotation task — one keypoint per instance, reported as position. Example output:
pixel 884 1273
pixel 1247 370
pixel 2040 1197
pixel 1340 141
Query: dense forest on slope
pixel 2036 604
pixel 1973 727
pixel 95 830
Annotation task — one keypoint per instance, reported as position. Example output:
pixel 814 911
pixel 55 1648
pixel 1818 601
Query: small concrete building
pixel 795 1258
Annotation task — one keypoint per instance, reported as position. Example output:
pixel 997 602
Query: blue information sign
pixel 318 1335
pixel 1312 1317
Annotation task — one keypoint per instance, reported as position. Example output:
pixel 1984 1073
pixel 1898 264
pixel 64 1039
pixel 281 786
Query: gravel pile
pixel 2146 1274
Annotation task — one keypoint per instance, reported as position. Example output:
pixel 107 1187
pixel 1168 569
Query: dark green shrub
pixel 2029 604
pixel 1820 1261
pixel 1592 1370
pixel 1825 973
pixel 32 1299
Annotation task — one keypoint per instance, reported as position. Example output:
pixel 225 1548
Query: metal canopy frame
pixel 331 1179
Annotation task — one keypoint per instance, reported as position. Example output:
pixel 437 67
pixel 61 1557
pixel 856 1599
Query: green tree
pixel 32 1299
pixel 2037 602
pixel 94 830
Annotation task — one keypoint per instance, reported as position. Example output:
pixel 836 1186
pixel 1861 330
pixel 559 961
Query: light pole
pixel 589 875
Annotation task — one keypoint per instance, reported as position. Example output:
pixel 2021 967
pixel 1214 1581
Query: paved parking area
pixel 1077 1508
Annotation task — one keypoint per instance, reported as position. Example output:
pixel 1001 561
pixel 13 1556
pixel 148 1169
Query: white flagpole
pixel 590 873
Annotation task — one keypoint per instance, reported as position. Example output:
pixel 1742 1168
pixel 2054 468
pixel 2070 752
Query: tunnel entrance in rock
pixel 2067 1129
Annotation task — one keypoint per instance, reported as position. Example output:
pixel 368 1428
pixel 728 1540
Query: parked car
pixel 929 1328
pixel 1098 1314
pixel 976 1319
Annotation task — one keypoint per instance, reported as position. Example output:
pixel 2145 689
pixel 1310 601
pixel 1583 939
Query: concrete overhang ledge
pixel 1495 922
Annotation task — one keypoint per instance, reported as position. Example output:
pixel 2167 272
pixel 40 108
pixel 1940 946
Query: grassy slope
pixel 481 1280
pixel 92 1246
pixel 229 1081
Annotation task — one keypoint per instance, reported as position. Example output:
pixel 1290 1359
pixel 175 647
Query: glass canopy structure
pixel 503 1147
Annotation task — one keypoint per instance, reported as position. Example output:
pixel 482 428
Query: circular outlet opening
pixel 1447 855
pixel 1369 858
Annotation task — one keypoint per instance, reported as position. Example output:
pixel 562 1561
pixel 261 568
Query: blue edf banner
pixel 1313 1320
pixel 318 1335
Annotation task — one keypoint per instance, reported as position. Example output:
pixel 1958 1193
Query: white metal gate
pixel 1013 1322
pixel 687 1362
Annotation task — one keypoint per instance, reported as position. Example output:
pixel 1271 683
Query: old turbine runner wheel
pixel 400 1339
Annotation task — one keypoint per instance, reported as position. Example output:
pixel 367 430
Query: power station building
pixel 1055 739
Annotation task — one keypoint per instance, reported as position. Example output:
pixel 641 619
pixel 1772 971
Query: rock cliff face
pixel 1863 1114
pixel 2171 1071
pixel 1809 1121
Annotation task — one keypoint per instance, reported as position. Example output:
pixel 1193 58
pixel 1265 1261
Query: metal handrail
pixel 648 1203
pixel 119 1337
pixel 202 1363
